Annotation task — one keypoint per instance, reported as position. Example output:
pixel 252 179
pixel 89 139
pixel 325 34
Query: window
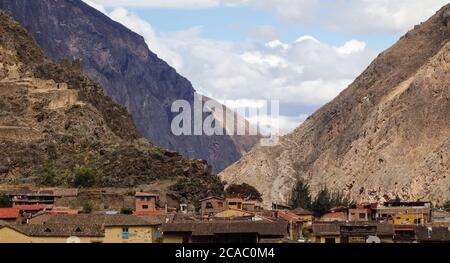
pixel 145 207
pixel 330 240
pixel 362 216
pixel 220 204
pixel 209 205
pixel 124 232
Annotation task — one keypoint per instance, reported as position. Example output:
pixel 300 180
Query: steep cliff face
pixel 54 119
pixel 386 136
pixel 131 74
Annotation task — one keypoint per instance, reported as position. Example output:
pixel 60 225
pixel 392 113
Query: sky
pixel 302 53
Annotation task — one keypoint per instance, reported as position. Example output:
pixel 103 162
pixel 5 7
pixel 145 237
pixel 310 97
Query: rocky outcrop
pixel 131 74
pixel 386 136
pixel 54 119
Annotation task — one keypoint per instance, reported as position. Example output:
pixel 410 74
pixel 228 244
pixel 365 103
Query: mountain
pixel 386 136
pixel 56 123
pixel 130 73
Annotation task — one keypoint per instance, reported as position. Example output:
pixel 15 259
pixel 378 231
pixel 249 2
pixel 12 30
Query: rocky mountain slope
pixel 386 136
pixel 131 74
pixel 54 120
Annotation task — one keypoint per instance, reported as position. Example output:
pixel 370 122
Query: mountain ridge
pixel 131 74
pixel 371 141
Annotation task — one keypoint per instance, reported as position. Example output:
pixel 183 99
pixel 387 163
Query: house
pixel 116 228
pixel 41 197
pixel 361 213
pixel 211 206
pixel 408 219
pixel 389 210
pixel 440 216
pixel 251 206
pixel 358 233
pixel 335 215
pixel 10 215
pixel 405 234
pixel 223 232
pixel 433 234
pixel 324 232
pixel 234 203
pixel 304 214
pixel 295 223
pixel 147 204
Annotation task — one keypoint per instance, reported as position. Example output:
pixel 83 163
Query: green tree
pixel 87 208
pixel 301 195
pixel 50 175
pixel 84 176
pixel 5 201
pixel 322 203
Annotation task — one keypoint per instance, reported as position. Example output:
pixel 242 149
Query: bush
pixel 85 177
pixel 50 175
pixel 243 191
pixel 5 201
pixel 87 208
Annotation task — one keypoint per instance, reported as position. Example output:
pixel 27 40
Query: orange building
pixel 147 204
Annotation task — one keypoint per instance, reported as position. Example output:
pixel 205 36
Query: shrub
pixel 243 191
pixel 50 175
pixel 87 208
pixel 5 201
pixel 84 176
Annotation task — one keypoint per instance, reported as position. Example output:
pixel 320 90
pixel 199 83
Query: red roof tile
pixel 32 207
pixel 9 213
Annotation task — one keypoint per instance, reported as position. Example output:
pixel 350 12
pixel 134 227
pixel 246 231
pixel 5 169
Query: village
pixel 34 218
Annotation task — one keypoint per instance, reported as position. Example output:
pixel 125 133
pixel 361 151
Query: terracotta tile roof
pixel 301 211
pixel 138 194
pixel 228 227
pixel 9 213
pixel 59 230
pixel 149 213
pixel 212 197
pixel 289 216
pixel 93 219
pixel 32 207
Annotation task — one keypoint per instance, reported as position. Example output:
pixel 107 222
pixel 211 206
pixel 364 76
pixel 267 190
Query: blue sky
pixel 300 52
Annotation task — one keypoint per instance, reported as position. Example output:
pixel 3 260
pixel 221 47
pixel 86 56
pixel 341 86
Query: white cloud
pixel 264 32
pixel 351 46
pixel 362 16
pixel 305 72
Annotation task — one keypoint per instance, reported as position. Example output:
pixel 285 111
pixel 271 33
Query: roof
pixel 326 229
pixel 59 230
pixel 228 227
pixel 234 199
pixel 32 207
pixel 9 213
pixel 149 213
pixel 94 219
pixel 211 197
pixel 301 211
pixel 289 216
pixel 138 194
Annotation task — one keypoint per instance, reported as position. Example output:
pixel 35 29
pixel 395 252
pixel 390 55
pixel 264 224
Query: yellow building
pixel 84 229
pixel 409 219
